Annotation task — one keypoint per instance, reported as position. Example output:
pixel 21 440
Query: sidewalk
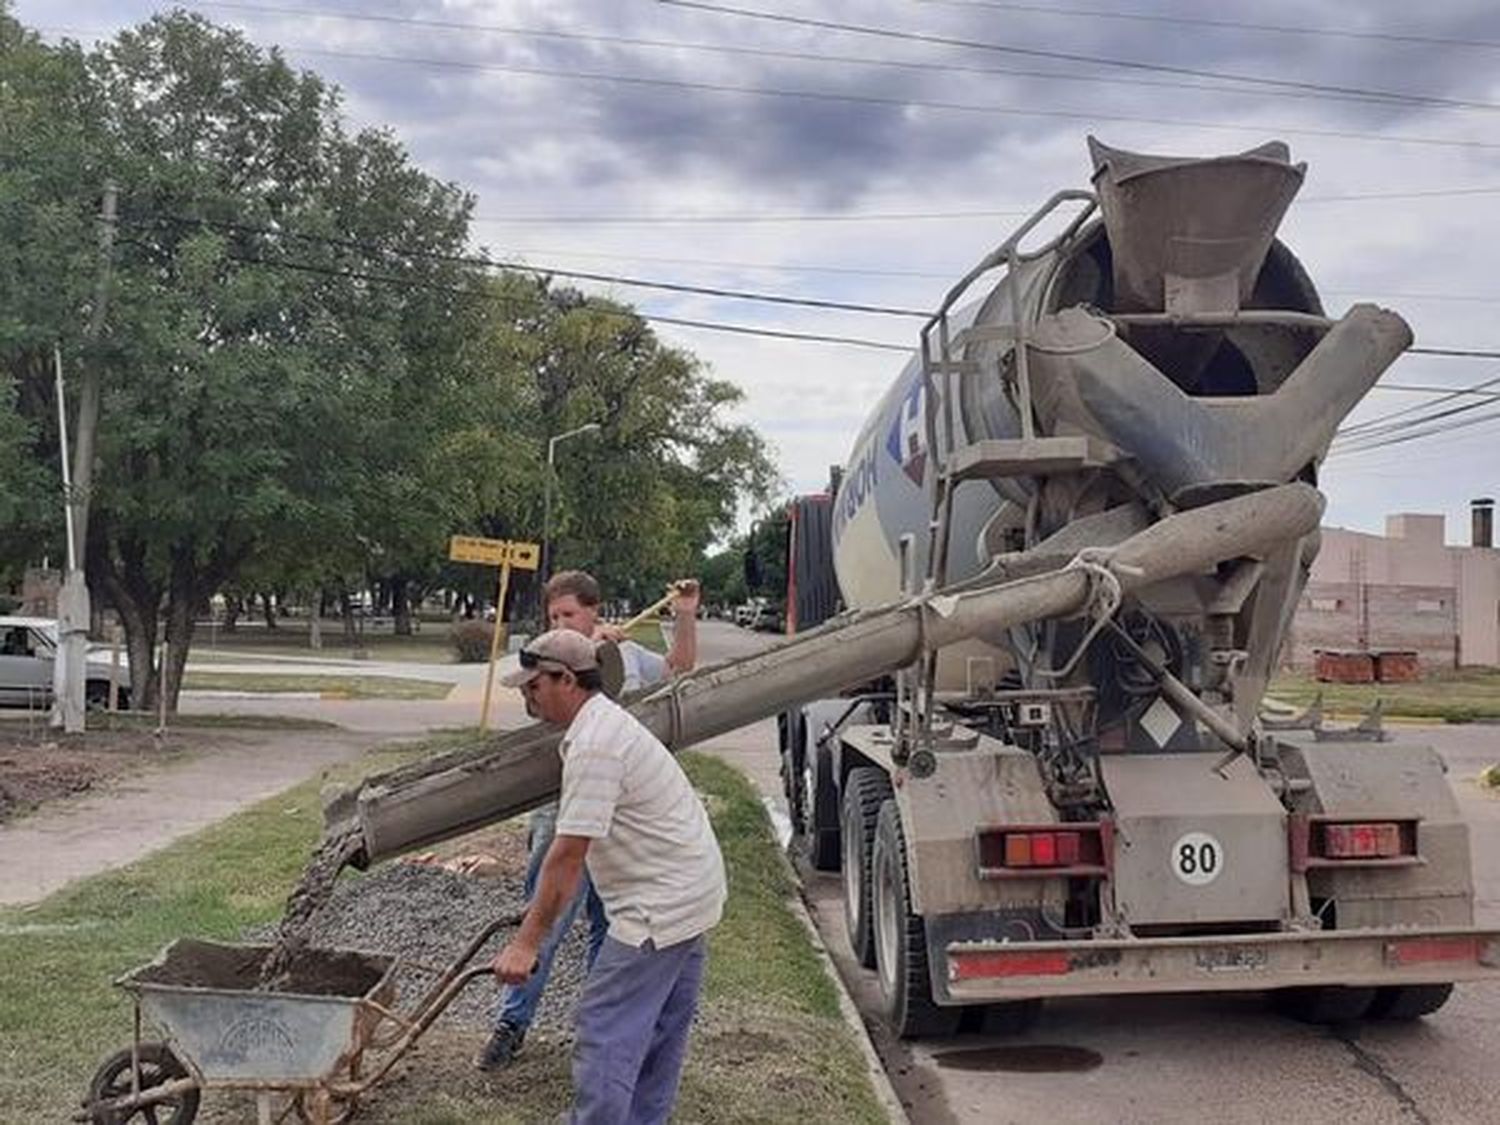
pixel 76 838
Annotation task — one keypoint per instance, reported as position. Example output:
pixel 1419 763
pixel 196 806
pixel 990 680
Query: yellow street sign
pixel 495 552
pixel 525 556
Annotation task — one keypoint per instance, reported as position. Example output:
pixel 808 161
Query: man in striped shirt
pixel 571 600
pixel 629 814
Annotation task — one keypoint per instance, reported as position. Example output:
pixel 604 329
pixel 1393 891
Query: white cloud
pixel 533 146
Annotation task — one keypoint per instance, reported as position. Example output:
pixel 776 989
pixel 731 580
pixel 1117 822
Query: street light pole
pixel 552 444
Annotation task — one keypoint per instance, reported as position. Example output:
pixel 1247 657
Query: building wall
pixel 1405 589
pixel 1339 615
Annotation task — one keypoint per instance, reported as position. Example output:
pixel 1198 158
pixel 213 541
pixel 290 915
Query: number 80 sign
pixel 1197 858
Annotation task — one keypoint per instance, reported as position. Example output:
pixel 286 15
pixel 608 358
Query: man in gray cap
pixel 571 599
pixel 627 812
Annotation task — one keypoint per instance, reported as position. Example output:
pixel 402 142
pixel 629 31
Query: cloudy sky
pixel 781 155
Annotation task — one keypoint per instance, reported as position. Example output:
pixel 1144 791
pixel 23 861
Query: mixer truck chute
pixel 1070 539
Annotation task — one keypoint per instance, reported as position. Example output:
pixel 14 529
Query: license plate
pixel 1232 959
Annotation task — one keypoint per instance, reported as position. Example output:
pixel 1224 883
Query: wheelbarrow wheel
pixel 158 1065
pixel 318 1108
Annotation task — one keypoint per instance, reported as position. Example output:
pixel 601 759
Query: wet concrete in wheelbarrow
pixel 237 968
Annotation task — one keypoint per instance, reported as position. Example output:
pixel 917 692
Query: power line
pixel 520 252
pixel 1377 424
pixel 897 102
pixel 1456 353
pixel 1370 434
pixel 709 325
pixel 730 294
pixel 1230 25
pixel 1430 389
pixel 773 53
pixel 725 263
pixel 1068 56
pixel 920 216
pixel 1434 431
pixel 1396 295
pixel 894 102
pixel 579 275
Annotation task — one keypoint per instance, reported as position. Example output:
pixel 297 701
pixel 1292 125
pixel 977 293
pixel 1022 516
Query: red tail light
pixel 1041 849
pixel 1074 849
pixel 1322 841
pixel 1362 841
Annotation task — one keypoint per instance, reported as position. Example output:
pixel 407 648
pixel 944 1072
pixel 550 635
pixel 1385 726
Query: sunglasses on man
pixel 531 660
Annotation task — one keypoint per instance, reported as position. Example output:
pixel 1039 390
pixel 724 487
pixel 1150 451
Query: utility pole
pixel 89 388
pixel 552 444
pixel 73 607
pixel 73 598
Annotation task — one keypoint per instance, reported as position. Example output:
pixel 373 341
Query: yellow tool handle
pixel 651 610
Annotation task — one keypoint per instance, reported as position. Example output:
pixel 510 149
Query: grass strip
pixel 290 639
pixel 649 634
pixel 190 720
pixel 1463 695
pixel 340 687
pixel 769 1048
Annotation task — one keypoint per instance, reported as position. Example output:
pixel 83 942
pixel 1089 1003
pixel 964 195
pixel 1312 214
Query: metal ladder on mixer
pixel 942 373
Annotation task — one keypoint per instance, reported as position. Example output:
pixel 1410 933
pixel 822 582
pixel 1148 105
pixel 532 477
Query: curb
pixel 206 693
pixel 885 1093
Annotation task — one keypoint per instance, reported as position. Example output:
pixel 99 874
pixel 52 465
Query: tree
pixel 639 503
pixel 723 576
pixel 255 372
pixel 766 554
pixel 48 181
pixel 306 385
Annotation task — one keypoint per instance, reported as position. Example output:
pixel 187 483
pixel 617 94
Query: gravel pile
pixel 429 915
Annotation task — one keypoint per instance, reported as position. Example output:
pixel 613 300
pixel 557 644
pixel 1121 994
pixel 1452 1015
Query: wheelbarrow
pixel 307 1053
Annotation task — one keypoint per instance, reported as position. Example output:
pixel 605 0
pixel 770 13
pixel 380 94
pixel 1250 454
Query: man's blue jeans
pixel 518 1003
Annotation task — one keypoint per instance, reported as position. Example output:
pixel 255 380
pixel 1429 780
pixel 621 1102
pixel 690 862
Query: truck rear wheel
pixel 820 808
pixel 1328 1003
pixel 865 790
pixel 901 939
pixel 1013 1017
pixel 793 752
pixel 1409 1001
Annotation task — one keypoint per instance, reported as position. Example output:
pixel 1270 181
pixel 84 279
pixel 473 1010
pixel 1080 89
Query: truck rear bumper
pixel 976 972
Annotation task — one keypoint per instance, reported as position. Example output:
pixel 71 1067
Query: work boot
pixel 504 1045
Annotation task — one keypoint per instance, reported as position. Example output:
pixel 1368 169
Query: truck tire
pixel 793 732
pixel 1409 1001
pixel 1012 1017
pixel 1324 1003
pixel 901 939
pixel 865 790
pixel 820 807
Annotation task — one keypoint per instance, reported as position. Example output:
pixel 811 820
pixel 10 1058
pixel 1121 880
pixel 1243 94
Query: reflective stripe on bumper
pixel 977 971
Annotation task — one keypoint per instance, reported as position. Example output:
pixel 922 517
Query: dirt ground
pixel 37 767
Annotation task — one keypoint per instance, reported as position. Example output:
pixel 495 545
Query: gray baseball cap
pixel 560 650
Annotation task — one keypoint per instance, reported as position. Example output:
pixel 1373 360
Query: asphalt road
pixel 1219 1058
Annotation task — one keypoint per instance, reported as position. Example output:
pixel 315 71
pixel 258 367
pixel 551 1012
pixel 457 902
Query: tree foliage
pixel 640 501
pixel 307 386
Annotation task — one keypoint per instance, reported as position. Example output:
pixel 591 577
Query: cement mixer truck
pixel 1069 542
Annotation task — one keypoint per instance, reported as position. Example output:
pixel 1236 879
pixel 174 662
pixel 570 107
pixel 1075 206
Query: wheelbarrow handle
pixel 456 969
pixel 505 921
pixel 412 1029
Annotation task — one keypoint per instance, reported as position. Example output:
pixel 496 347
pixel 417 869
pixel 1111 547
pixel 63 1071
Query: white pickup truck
pixel 28 646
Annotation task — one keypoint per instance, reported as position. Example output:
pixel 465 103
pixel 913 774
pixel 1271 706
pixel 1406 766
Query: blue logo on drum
pixel 907 440
pixel 859 486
